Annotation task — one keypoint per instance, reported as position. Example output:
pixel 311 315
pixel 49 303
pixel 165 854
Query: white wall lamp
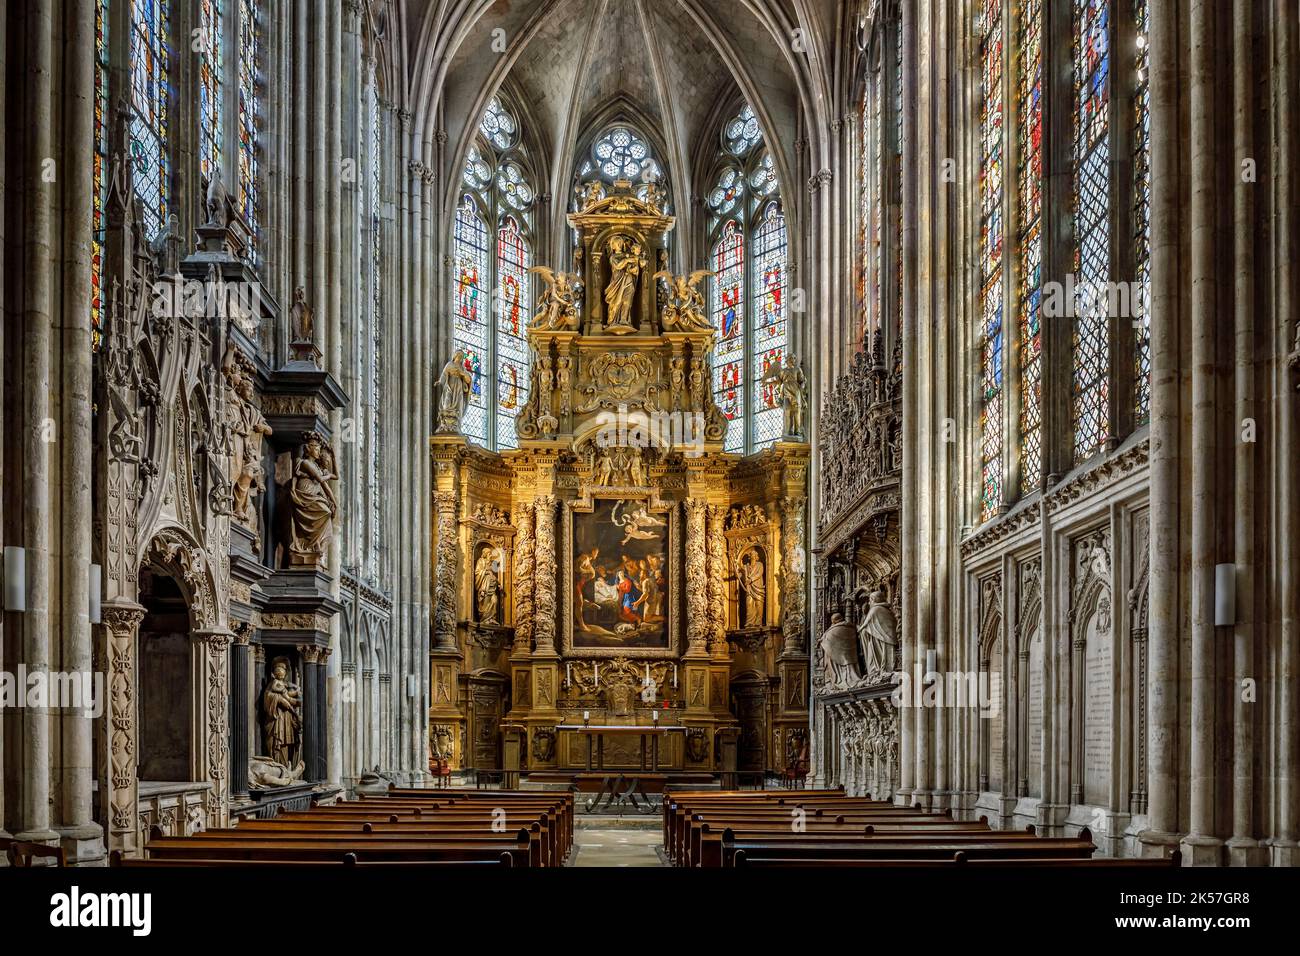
pixel 1225 595
pixel 931 666
pixel 15 579
pixel 411 688
pixel 96 576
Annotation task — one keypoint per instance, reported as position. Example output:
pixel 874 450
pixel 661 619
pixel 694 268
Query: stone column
pixel 312 756
pixel 33 810
pixel 118 783
pixel 239 713
pixel 1286 849
pixel 697 581
pixel 326 756
pixel 1163 636
pixel 907 532
pixel 544 609
pixel 82 837
pixel 214 674
pixel 1201 845
pixel 445 566
pixel 1243 848
pixel 525 546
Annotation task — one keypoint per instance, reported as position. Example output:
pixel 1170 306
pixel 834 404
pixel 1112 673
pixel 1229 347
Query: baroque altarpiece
pixel 618 568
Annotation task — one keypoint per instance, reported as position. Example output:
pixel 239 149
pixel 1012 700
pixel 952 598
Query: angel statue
pixel 685 309
pixel 559 307
pixel 789 380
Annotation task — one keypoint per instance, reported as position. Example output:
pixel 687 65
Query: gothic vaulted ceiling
pixel 575 63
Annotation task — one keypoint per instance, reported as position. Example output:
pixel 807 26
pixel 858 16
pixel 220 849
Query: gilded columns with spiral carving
pixel 446 555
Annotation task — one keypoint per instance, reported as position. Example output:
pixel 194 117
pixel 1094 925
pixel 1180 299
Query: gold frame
pixel 673 562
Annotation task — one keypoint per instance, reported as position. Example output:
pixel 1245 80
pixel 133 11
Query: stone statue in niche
pixel 559 307
pixel 453 393
pixel 626 260
pixel 487 584
pixel 789 380
pixel 879 637
pixel 840 654
pixel 247 429
pixel 300 318
pixel 216 200
pixel 684 311
pixel 281 715
pixel 753 589
pixel 312 507
pixel 264 773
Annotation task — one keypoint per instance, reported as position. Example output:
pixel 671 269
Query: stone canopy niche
pixel 619 564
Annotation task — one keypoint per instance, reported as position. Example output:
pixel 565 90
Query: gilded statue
pixel 753 588
pixel 281 715
pixel 789 381
pixel 312 507
pixel 487 585
pixel 454 386
pixel 685 309
pixel 560 302
pixel 626 260
pixel 879 636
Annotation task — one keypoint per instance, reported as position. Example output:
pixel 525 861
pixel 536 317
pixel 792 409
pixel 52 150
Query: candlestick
pixel 568 673
pixel 674 675
pixel 656 716
pixel 595 671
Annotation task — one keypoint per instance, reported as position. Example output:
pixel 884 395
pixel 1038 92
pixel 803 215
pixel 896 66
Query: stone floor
pixel 617 843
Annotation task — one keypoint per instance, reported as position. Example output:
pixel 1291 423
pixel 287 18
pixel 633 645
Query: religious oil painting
pixel 620 592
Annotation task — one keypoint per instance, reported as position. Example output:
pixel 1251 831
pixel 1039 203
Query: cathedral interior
pixel 596 400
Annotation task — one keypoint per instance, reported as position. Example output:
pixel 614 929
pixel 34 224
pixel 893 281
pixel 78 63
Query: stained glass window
pixel 1090 392
pixel 470 311
pixel 1029 117
pixel 99 222
pixel 494 334
pixel 728 264
pixel 991 292
pixel 1142 216
pixel 623 154
pixel 748 294
pixel 770 331
pixel 248 108
pixel 742 133
pixel 513 312
pixel 212 110
pixel 149 110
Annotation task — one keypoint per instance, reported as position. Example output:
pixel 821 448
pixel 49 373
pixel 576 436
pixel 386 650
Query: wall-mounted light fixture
pixel 411 688
pixel 1225 595
pixel 15 574
pixel 96 576
pixel 931 665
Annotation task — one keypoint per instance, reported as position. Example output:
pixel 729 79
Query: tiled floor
pixel 621 847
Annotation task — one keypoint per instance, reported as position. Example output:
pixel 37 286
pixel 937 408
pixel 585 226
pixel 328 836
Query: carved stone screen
pixel 1035 714
pixel 621 574
pixel 1098 702
pixel 994 723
